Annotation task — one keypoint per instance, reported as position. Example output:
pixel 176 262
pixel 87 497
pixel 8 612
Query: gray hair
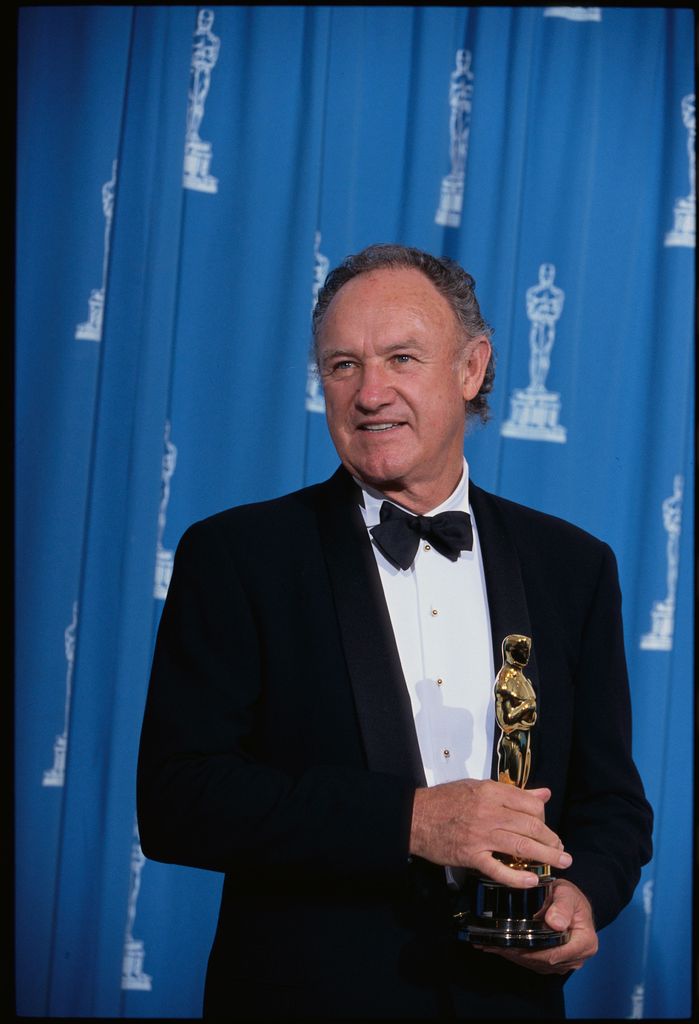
pixel 448 277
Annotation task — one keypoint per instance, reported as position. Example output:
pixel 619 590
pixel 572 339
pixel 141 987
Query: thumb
pixel 559 915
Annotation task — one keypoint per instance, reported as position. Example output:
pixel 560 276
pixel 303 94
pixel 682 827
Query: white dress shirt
pixel 439 612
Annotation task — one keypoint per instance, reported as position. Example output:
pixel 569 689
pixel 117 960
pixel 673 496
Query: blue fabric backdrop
pixel 185 177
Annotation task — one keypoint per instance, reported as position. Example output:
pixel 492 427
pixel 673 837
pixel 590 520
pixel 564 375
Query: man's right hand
pixel 463 823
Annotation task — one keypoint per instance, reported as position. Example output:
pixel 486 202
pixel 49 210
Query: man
pixel 320 721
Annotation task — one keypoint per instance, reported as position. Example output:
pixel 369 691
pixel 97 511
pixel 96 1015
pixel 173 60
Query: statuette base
pixel 534 416
pixel 508 917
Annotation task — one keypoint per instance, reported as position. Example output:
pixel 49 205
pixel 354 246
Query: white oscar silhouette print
pixel 164 558
pixel 197 154
pixel 663 612
pixel 685 211
pixel 574 13
pixel 55 775
pixel 315 401
pixel 91 329
pixel 132 975
pixel 534 410
pixel 460 102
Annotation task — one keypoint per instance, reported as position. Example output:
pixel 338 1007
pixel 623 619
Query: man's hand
pixel 569 909
pixel 463 823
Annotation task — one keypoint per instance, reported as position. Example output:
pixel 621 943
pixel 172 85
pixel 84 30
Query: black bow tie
pixel 398 534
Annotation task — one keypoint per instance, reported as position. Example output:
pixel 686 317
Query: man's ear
pixel 478 352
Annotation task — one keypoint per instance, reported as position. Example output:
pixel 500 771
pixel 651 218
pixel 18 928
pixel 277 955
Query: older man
pixel 320 721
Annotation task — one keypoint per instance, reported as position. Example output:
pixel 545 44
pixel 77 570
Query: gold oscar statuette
pixel 499 914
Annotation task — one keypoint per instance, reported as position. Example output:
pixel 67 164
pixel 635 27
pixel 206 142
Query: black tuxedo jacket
pixel 278 746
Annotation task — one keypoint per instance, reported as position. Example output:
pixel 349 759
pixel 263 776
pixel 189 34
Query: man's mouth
pixel 378 426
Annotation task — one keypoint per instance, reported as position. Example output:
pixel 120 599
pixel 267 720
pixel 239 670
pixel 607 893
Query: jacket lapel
pixel 381 697
pixel 507 600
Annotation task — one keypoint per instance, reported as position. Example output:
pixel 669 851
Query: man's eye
pixel 403 358
pixel 340 366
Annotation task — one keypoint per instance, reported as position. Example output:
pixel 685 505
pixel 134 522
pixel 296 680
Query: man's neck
pixel 417 501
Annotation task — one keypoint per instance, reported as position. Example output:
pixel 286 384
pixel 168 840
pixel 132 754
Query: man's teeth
pixel 379 426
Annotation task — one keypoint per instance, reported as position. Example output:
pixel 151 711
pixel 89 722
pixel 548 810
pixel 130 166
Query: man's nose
pixel 374 389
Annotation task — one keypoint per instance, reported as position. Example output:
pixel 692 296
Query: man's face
pixel 395 385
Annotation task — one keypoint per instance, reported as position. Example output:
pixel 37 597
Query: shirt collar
pixel 373 499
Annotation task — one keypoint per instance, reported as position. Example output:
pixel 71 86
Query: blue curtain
pixel 185 177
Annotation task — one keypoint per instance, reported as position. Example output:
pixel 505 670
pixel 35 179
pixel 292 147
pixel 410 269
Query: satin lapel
pixel 381 697
pixel 507 602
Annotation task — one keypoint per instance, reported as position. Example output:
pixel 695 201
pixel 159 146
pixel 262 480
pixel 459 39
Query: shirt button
pixel 435 612
pixel 446 753
pixel 439 682
pixel 427 548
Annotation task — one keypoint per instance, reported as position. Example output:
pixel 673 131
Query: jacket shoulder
pixel 522 521
pixel 278 518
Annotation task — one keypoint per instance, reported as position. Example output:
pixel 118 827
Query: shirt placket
pixel 435 616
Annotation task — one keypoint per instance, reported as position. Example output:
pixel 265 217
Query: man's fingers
pixel 516 813
pixel 525 838
pixel 569 957
pixel 494 869
pixel 525 824
pixel 526 801
pixel 533 962
pixel 523 848
pixel 526 797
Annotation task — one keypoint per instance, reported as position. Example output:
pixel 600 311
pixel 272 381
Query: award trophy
pixel 501 915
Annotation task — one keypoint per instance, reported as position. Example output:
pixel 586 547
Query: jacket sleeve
pixel 607 822
pixel 206 798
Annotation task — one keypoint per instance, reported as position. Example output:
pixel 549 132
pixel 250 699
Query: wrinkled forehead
pixel 388 296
